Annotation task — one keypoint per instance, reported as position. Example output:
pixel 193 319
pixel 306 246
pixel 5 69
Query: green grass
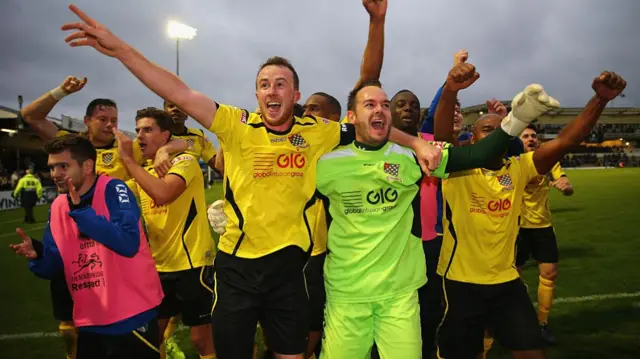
pixel 597 230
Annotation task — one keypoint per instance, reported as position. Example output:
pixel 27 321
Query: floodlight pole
pixel 177 56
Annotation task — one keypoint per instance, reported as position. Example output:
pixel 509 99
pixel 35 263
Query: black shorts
pixel 270 290
pixel 188 292
pixel 315 287
pixel 504 308
pixel 61 301
pixel 142 343
pixel 539 243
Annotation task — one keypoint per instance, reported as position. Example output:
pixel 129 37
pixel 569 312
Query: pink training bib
pixel 428 201
pixel 106 287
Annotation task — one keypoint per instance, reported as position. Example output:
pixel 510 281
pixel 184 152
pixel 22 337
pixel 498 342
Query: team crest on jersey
pixel 191 143
pixel 243 118
pixel 107 158
pixel 298 141
pixel 181 158
pixel 438 144
pixel 325 120
pixel 392 169
pixel 505 181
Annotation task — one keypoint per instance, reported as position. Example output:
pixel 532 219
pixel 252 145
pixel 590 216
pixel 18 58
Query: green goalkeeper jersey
pixel 374 246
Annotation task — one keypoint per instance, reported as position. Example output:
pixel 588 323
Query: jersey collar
pixel 365 147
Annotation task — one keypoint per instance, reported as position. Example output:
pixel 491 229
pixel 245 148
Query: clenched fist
pixel 608 85
pixel 461 76
pixel 72 84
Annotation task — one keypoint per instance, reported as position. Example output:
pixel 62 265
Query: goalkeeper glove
pixel 216 216
pixel 526 107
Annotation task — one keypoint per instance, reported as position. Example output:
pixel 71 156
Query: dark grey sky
pixel 559 44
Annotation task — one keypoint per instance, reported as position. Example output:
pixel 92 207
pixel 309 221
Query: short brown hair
pixel 162 118
pixel 282 62
pixel 351 100
pixel 79 146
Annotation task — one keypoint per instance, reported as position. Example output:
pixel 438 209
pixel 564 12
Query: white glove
pixel 526 107
pixel 217 218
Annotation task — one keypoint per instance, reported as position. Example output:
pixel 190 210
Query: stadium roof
pixel 562 115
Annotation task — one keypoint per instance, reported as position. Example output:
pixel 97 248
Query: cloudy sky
pixel 560 44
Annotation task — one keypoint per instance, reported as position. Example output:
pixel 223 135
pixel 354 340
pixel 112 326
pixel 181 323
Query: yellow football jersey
pixel 480 222
pixel 535 209
pixel 270 179
pixel 178 232
pixel 345 120
pixel 318 222
pixel 108 160
pixel 199 144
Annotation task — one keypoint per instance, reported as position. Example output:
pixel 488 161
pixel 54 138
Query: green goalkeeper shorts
pixel 393 324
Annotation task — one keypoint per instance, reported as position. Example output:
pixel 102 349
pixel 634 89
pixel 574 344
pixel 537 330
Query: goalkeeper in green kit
pixel 375 262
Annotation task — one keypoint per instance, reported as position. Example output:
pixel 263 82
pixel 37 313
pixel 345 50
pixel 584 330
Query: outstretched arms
pixel 373 56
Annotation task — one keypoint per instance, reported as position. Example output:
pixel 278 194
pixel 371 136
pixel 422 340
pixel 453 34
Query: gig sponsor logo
pixel 494 208
pixel 374 201
pixel 286 164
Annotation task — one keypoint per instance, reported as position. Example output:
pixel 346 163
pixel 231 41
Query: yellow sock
pixel 546 290
pixel 70 337
pixel 171 328
pixel 488 343
pixel 210 356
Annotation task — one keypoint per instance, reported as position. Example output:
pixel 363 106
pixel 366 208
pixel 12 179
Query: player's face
pixel 529 139
pixel 457 120
pixel 276 95
pixel 150 136
pixel 101 124
pixel 176 114
pixel 372 116
pixel 405 111
pixel 62 165
pixel 484 127
pixel 318 106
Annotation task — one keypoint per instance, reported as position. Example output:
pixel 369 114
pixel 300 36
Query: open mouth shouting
pixel 273 108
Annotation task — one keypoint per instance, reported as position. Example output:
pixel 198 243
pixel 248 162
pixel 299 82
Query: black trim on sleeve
pixel 347 133
pixel 38 247
pixel 485 153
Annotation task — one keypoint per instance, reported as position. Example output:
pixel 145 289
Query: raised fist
pixel 377 9
pixel 460 57
pixel 608 85
pixel 72 84
pixel 461 76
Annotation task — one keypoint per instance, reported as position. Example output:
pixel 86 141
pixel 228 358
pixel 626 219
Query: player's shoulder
pixel 340 152
pixel 183 159
pixel 195 132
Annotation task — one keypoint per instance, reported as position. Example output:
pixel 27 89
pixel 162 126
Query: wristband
pixel 58 93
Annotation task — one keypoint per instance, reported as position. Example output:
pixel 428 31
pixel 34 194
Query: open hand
pixel 25 248
pixel 125 145
pixel 429 156
pixel 72 84
pixel 496 107
pixel 531 103
pixel 89 32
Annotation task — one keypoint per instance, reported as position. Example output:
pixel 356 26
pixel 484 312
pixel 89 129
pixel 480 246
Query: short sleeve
pixel 332 134
pixel 228 120
pixel 208 151
pixel 440 171
pixel 527 167
pixel 557 172
pixel 185 166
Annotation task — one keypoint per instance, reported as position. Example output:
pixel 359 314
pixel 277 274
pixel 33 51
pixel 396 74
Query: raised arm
pixel 162 82
pixel 607 87
pixel 35 114
pixel 461 76
pixel 373 56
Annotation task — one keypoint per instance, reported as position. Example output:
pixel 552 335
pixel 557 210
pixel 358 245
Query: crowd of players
pixel 329 230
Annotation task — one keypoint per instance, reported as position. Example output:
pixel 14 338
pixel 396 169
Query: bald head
pixel 484 126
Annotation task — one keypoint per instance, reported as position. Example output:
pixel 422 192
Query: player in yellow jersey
pixel 199 144
pixel 482 287
pixel 537 238
pixel 270 164
pixel 101 118
pixel 174 210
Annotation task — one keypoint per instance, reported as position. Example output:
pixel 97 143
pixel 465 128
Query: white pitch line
pixel 587 298
pixel 13 233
